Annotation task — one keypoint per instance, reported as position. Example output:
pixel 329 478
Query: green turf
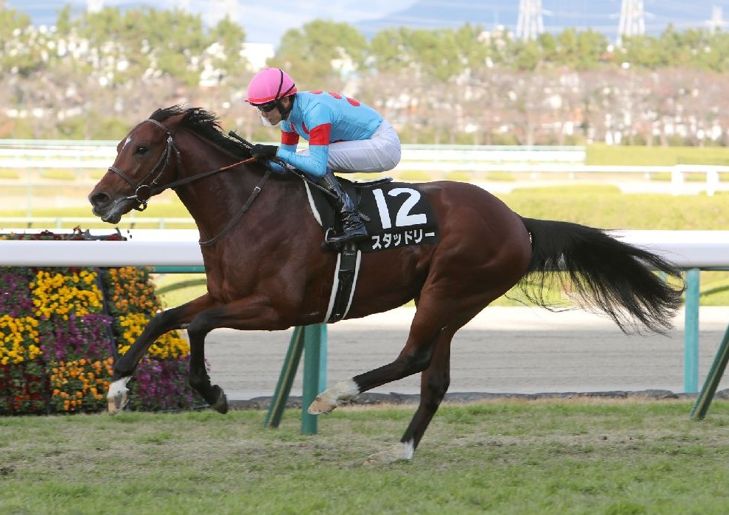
pixel 607 457
pixel 600 154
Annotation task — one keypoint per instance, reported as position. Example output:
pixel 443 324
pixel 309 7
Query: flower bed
pixel 160 382
pixel 62 328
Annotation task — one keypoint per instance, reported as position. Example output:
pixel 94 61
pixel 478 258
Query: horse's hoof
pixel 221 402
pixel 402 452
pixel 118 395
pixel 321 405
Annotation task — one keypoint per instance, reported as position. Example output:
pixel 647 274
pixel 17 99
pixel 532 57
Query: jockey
pixel 344 135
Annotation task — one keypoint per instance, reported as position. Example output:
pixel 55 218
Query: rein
pixel 143 192
pixel 233 221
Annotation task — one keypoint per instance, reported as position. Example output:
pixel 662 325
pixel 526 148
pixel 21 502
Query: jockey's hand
pixel 264 152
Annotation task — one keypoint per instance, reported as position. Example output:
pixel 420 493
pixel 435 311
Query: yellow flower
pixel 62 295
pixel 169 345
pixel 19 339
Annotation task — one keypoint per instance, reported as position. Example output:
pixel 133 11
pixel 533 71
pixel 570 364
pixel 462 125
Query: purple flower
pixel 87 337
pixel 15 298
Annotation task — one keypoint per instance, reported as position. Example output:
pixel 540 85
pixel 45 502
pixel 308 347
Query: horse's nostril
pixel 99 199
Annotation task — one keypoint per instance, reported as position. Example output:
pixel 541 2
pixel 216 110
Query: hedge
pixel 62 328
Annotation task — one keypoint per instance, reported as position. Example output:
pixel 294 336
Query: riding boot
pixel 353 228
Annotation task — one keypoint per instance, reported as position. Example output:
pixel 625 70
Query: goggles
pixel 268 106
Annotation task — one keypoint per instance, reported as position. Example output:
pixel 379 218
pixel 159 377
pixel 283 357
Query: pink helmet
pixel 268 85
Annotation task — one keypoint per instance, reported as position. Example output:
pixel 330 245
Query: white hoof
pixel 322 405
pixel 329 399
pixel 398 452
pixel 117 397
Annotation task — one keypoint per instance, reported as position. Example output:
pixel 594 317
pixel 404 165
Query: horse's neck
pixel 216 200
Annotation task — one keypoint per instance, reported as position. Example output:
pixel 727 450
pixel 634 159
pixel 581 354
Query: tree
pixel 389 51
pixel 644 51
pixel 315 54
pixel 231 37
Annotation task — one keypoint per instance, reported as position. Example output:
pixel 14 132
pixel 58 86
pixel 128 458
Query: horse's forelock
pixel 160 115
pixel 197 117
pixel 204 123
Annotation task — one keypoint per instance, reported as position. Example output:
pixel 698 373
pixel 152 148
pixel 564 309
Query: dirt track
pixel 512 350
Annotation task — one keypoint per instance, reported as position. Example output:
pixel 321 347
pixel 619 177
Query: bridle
pixel 146 188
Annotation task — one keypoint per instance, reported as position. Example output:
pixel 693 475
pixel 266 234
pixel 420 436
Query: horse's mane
pixel 205 124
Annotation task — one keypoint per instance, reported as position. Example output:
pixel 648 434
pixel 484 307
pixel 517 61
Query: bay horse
pixel 266 268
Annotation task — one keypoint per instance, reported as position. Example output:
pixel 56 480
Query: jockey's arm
pixel 289 142
pixel 315 161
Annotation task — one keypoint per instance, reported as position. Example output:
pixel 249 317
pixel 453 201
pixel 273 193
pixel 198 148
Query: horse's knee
pixel 164 321
pixel 416 360
pixel 199 326
pixel 199 380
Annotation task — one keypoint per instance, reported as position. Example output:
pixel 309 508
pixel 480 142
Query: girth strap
pixel 345 281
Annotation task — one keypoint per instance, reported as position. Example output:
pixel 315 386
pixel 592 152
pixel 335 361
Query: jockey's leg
pixel 353 228
pixel 379 153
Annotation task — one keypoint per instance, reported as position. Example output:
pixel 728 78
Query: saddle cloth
pixel 396 214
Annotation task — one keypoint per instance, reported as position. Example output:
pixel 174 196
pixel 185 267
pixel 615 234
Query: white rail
pixel 686 249
pixel 72 155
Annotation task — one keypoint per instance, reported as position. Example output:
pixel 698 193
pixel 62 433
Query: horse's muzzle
pixel 99 201
pixel 109 210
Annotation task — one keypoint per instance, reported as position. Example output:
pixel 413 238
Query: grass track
pixel 609 457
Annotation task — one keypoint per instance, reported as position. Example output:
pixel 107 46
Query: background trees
pixel 95 75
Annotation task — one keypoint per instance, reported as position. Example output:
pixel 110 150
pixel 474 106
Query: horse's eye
pixel 141 150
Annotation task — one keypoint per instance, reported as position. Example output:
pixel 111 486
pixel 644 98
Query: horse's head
pixel 149 161
pixel 144 159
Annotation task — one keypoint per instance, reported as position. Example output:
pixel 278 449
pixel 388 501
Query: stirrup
pixel 358 234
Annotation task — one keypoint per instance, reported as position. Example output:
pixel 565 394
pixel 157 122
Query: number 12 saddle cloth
pixel 396 215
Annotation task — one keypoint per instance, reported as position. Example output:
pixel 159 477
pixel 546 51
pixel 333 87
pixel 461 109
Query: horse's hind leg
pixel 431 320
pixel 436 321
pixel 434 382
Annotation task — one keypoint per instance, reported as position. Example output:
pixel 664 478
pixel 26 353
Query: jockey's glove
pixel 264 152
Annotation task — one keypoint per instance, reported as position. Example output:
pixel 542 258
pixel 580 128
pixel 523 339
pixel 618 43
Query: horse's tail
pixel 605 273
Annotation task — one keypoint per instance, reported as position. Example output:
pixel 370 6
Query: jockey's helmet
pixel 269 85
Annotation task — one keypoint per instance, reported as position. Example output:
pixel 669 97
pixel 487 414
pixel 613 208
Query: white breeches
pixel 378 154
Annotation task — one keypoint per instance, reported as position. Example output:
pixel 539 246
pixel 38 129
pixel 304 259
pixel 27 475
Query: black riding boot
pixel 353 228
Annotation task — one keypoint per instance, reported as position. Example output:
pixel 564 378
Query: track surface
pixel 503 350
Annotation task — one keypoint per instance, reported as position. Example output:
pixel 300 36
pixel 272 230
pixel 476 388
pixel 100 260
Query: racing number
pixel 404 218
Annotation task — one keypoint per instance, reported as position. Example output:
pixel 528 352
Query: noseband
pixel 144 190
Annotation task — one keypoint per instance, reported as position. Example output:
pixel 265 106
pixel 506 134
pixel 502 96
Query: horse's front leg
pixel 117 396
pixel 251 313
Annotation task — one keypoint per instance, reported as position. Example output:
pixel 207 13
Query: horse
pixel 266 268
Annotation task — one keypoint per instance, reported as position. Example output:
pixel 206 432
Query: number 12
pixel 403 218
